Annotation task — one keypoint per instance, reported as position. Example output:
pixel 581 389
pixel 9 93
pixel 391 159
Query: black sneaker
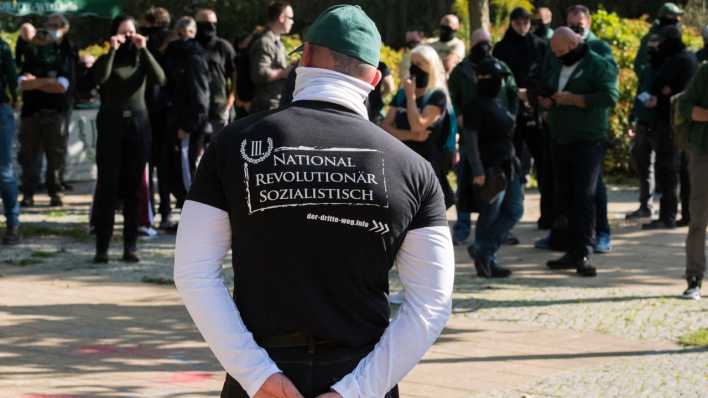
pixel 659 224
pixel 585 268
pixel 101 258
pixel 12 236
pixel 55 201
pixel 511 240
pixel 642 212
pixel 27 201
pixel 565 262
pixel 693 292
pixel 480 264
pixel 130 256
pixel 499 271
pixel 683 222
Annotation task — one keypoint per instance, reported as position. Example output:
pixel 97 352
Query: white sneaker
pixel 147 232
pixel 693 292
pixel 396 298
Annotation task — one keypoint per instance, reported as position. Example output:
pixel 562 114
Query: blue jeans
pixel 498 218
pixel 8 182
pixel 602 222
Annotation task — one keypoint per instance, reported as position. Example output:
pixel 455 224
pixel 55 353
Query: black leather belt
pixel 295 340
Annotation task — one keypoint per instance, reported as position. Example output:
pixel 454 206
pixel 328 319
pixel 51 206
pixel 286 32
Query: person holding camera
pixel 124 135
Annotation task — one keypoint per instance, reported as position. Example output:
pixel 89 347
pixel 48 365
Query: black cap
pixel 519 12
pixel 670 32
pixel 492 67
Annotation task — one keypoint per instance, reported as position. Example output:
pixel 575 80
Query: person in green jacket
pixel 462 86
pixel 578 116
pixel 693 106
pixel 579 20
pixel 669 14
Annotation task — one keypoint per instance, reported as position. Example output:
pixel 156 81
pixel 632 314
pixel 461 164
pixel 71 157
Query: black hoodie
pixel 676 72
pixel 523 54
pixel 185 63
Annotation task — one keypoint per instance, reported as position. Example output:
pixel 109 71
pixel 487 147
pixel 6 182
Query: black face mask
pixel 573 56
pixel 446 33
pixel 667 22
pixel 489 87
pixel 412 44
pixel 419 75
pixel 206 31
pixel 578 29
pixel 480 51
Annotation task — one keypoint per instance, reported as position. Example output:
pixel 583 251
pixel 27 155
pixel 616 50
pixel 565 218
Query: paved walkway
pixel 72 329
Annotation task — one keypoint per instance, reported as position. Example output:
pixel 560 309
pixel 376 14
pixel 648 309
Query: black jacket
pixel 221 59
pixel 187 72
pixel 676 72
pixel 523 54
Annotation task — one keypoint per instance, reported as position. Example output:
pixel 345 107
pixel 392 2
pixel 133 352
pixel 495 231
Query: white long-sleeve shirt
pixel 425 264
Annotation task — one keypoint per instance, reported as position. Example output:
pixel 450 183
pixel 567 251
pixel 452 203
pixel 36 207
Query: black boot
pixel 566 262
pixel 102 244
pixel 12 235
pixel 130 253
pixel 480 264
pixel 499 271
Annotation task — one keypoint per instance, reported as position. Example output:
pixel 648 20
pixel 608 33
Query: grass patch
pixel 25 262
pixel 698 338
pixel 43 254
pixel 38 230
pixel 157 280
pixel 56 213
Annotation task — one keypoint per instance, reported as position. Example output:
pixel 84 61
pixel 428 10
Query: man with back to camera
pixel 355 201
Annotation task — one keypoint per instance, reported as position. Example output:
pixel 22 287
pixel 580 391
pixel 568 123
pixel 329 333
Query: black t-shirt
pixel 319 201
pixel 221 58
pixel 432 148
pixel 376 100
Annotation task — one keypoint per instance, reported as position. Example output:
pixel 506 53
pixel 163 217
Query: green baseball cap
pixel 670 10
pixel 346 29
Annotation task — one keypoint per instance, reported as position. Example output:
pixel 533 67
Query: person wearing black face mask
pixel 642 133
pixel 414 37
pixel 678 67
pixel 419 114
pixel 451 49
pixel 222 68
pixel 669 15
pixel 578 116
pixel 463 86
pixel 124 136
pixel 487 140
pixel 542 24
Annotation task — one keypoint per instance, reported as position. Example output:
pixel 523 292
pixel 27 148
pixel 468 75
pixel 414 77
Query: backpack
pixel 245 88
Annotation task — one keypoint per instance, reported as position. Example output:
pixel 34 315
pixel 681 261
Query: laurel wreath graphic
pixel 260 159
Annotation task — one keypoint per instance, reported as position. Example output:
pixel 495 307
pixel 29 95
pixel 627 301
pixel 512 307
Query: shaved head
pixel 564 40
pixel 450 20
pixel 480 35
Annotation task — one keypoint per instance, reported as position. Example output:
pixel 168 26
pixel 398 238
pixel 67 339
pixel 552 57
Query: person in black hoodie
pixel 487 140
pixel 187 72
pixel 221 58
pixel 524 53
pixel 678 68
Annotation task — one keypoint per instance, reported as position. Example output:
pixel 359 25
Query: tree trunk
pixel 479 15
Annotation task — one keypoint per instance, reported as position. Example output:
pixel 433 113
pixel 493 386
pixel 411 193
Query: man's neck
pixel 275 29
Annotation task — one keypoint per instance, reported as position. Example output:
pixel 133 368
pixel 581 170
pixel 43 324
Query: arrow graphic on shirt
pixel 379 228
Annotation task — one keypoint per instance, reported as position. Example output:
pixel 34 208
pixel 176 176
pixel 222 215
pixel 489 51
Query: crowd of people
pixel 536 102
pixel 320 188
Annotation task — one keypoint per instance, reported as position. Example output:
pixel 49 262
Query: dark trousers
pixel 578 168
pixel 160 163
pixel 643 157
pixel 540 146
pixel 685 180
pixel 667 171
pixel 183 156
pixel 312 374
pixel 122 150
pixel 42 131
